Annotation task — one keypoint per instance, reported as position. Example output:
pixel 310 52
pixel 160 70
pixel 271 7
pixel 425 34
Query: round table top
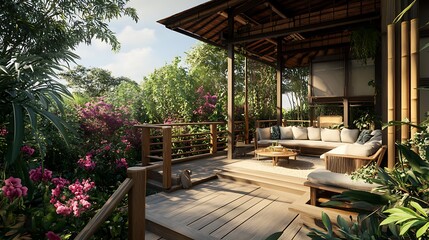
pixel 277 153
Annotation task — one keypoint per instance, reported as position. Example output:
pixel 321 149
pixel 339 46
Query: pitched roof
pixel 306 28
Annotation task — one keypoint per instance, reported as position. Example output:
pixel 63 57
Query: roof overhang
pixel 306 28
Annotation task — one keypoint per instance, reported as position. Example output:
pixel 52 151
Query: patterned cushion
pixel 364 136
pixel 275 132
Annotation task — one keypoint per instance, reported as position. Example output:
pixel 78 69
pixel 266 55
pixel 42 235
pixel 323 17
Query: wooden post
pixel 213 137
pixel 391 95
pixel 231 80
pixel 137 203
pixel 414 67
pixel 246 104
pixel 279 75
pixel 145 146
pixel 346 110
pixel 166 157
pixel 405 79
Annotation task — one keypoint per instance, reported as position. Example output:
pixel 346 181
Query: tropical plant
pixel 399 205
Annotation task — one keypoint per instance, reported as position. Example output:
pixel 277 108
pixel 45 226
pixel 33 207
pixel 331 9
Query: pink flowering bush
pixel 27 150
pixel 206 105
pixel 39 174
pixel 13 188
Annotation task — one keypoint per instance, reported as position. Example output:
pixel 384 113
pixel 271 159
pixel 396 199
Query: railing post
pixel 213 138
pixel 166 156
pixel 145 145
pixel 137 203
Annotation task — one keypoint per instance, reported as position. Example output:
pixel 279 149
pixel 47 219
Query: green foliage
pixel 169 93
pixel 295 85
pixel 129 94
pixel 364 43
pixel 93 82
pixel 400 203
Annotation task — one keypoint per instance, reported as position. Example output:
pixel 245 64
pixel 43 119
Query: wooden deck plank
pixel 227 212
pixel 292 230
pixel 275 217
pixel 246 215
pixel 200 207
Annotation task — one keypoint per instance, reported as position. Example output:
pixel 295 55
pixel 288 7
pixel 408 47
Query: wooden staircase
pixel 287 184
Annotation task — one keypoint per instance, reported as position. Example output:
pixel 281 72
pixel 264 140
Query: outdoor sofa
pixel 344 150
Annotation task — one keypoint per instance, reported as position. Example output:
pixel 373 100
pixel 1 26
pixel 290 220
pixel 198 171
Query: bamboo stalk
pixel 414 67
pixel 391 94
pixel 405 79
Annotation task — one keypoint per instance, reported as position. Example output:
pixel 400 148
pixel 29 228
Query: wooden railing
pixel 135 186
pixel 164 143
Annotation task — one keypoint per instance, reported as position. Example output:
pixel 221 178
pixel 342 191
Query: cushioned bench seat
pixel 313 147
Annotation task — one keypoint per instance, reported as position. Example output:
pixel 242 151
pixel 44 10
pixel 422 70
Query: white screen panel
pixel 360 75
pixel 328 79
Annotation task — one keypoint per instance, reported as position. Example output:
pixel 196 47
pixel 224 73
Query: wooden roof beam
pixel 279 9
pixel 237 18
pixel 275 30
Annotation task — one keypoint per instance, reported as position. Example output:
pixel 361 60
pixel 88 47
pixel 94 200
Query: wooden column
pixel 405 79
pixel 166 157
pixel 246 104
pixel 391 95
pixel 230 47
pixel 213 137
pixel 414 68
pixel 137 203
pixel 279 74
pixel 346 110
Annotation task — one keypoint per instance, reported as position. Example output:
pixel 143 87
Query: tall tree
pixel 295 85
pixel 92 82
pixel 169 93
pixel 35 39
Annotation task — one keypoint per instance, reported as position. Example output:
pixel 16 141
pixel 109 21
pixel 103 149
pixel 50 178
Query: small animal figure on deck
pixel 185 178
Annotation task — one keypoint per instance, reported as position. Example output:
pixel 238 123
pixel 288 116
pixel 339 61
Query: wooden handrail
pixel 135 186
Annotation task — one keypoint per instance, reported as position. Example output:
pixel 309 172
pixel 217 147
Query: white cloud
pixel 131 37
pixel 133 64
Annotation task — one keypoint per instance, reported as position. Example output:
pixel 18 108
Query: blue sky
pixel 145 45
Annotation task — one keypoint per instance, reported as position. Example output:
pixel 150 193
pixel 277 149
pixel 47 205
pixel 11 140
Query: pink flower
pixel 36 175
pixel 61 182
pixel 87 163
pixel 13 188
pixel 52 236
pixel 27 150
pixel 3 132
pixel 121 163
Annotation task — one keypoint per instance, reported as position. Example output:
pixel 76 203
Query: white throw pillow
pixel 330 135
pixel 264 133
pixel 349 135
pixel 313 133
pixel 286 133
pixel 299 133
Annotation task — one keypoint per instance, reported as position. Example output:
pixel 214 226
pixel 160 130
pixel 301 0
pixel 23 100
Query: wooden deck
pixel 229 202
pixel 223 209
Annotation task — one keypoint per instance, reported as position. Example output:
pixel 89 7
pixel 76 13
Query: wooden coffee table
pixel 275 155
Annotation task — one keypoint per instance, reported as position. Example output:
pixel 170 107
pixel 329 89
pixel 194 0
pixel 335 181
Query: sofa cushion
pixel 286 133
pixel 349 135
pixel 360 150
pixel 364 136
pixel 264 133
pixel 313 133
pixel 326 177
pixel 299 133
pixel 376 135
pixel 330 135
pixel 275 132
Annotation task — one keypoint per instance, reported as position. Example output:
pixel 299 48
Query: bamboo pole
pixel 166 157
pixel 391 94
pixel 231 82
pixel 137 203
pixel 246 104
pixel 405 79
pixel 414 67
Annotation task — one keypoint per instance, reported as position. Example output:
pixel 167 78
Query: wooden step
pixel 282 184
